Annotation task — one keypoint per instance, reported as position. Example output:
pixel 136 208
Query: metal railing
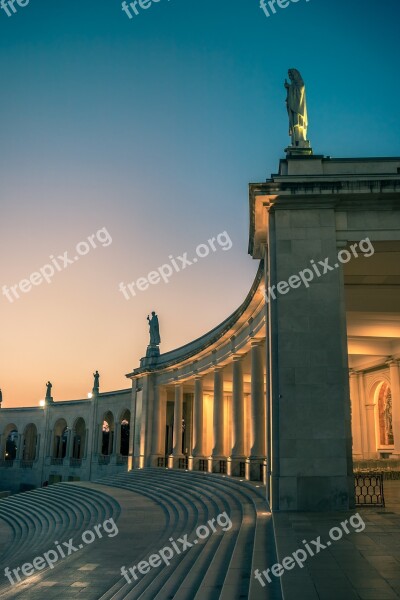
pixel 183 463
pixel 75 463
pixel 222 467
pixel 369 489
pixel 122 459
pixel 203 465
pixel 6 463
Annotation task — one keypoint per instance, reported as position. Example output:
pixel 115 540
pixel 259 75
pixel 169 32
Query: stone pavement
pixel 363 565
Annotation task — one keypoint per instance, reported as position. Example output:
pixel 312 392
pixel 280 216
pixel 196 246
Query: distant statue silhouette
pixel 48 391
pixel 96 384
pixel 155 339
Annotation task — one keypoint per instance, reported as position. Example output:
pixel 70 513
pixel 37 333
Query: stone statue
pixel 154 330
pixel 48 391
pixel 297 109
pixel 388 418
pixel 96 384
pixel 1 397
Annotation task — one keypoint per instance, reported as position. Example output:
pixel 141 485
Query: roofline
pixel 199 344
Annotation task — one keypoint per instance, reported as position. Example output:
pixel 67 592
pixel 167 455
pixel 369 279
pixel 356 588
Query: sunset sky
pixel 150 129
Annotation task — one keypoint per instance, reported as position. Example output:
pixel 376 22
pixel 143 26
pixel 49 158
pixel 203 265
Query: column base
pixel 238 466
pixel 219 464
pixel 200 463
pixel 137 462
pixel 313 494
pixel 178 462
pixel 258 469
pixel 158 460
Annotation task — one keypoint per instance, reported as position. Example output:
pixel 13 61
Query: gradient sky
pixel 153 128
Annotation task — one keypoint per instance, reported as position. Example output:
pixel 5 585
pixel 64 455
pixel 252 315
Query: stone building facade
pixel 289 389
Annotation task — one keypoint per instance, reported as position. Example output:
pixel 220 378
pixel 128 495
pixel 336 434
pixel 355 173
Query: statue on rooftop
pixel 154 330
pixel 48 390
pixel 96 384
pixel 297 109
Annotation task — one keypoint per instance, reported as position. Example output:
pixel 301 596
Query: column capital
pixel 237 357
pixel 392 361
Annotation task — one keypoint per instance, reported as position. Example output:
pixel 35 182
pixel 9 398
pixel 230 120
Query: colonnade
pixel 226 432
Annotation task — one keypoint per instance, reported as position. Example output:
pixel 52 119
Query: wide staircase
pixel 154 507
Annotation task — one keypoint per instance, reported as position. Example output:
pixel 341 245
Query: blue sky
pixel 153 127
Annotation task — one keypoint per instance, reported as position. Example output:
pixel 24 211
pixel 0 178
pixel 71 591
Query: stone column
pixel 117 445
pixel 60 445
pixel 49 451
pixel 218 452
pixel 355 415
pixel 163 419
pixel 395 389
pixel 178 416
pixel 20 447
pixel 70 445
pixel 116 434
pixel 363 415
pixel 99 435
pixel 84 450
pixel 371 433
pixel 156 451
pixel 132 427
pixel 369 416
pixel 198 423
pixel 306 329
pixel 38 447
pixel 68 449
pixel 367 410
pixel 238 424
pixel 258 413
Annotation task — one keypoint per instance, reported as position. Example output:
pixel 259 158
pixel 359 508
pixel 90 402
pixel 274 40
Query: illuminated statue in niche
pixel 387 413
pixel 385 416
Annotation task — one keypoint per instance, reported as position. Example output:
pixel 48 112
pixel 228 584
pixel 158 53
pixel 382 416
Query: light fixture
pixel 90 395
pixel 42 403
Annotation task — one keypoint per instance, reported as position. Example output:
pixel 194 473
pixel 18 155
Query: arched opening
pixel 107 433
pixel 10 447
pixel 30 442
pixel 60 438
pixel 384 414
pixel 125 422
pixel 79 439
